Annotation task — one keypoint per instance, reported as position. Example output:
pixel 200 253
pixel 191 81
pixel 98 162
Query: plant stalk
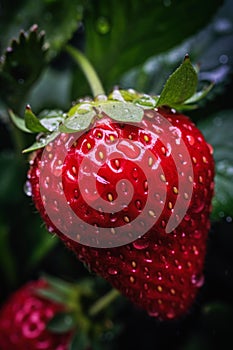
pixel 103 302
pixel 88 70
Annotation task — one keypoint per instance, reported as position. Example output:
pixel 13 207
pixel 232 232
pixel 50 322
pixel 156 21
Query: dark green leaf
pixel 79 341
pixel 21 65
pixel 59 19
pixel 211 49
pixel 7 259
pixel 62 322
pixel 10 191
pixel 32 122
pixel 180 86
pixel 42 142
pixel 43 246
pixel 218 132
pixel 18 122
pixel 122 111
pixel 118 31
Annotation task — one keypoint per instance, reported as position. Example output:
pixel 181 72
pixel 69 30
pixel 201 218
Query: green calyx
pixel 85 323
pixel 179 92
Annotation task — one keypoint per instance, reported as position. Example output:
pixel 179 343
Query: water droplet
pixel 191 139
pixel 167 3
pixel 76 194
pixel 153 313
pixel 170 314
pixel 112 271
pixel 223 25
pixel 103 25
pixel 197 280
pixel 135 173
pixel 199 206
pixel 28 188
pixel 223 59
pixel 141 244
pixel 138 204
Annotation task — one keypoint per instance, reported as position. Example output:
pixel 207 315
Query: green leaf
pixel 218 132
pixel 19 122
pixel 32 122
pixel 7 259
pixel 129 32
pixel 42 142
pixel 180 86
pixel 79 341
pixel 199 95
pixel 58 284
pixel 51 119
pixel 21 65
pixel 50 294
pixel 59 19
pixel 79 118
pixel 122 111
pixel 206 48
pixel 44 245
pixel 62 322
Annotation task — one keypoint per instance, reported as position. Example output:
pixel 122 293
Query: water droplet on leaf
pixel 28 188
pixel 103 25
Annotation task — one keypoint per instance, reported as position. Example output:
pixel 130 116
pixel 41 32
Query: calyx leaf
pixel 122 111
pixel 62 322
pixel 180 86
pixel 32 122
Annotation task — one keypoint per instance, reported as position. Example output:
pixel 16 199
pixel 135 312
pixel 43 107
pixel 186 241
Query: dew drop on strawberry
pixel 112 271
pixel 198 280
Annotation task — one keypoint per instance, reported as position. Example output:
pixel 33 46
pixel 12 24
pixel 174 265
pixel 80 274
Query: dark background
pixel 131 44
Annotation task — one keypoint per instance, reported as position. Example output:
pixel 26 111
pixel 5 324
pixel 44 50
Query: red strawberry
pixel 170 167
pixel 23 321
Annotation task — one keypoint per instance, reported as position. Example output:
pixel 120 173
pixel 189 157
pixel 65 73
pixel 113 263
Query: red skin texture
pixel 23 320
pixel 160 272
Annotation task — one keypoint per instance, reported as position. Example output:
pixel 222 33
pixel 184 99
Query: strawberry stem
pixel 88 70
pixel 103 302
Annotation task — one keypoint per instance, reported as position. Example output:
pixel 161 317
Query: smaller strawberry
pixel 23 321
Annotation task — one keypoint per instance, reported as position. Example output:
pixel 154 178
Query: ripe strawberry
pixel 170 166
pixel 23 321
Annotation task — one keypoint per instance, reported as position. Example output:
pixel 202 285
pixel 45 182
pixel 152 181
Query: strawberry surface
pixel 23 321
pixel 149 186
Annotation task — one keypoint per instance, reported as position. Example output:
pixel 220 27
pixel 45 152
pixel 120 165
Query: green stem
pixel 103 302
pixel 88 70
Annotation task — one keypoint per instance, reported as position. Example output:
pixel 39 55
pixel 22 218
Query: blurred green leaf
pixel 59 18
pixel 18 122
pixel 211 48
pixel 7 260
pixel 117 31
pixel 218 132
pixel 10 190
pixel 45 243
pixel 62 322
pixel 79 341
pixel 21 66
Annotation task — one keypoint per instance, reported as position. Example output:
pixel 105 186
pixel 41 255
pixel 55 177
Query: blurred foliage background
pixel 133 44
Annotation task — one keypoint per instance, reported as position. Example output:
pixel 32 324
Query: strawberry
pixel 24 317
pixel 160 271
pixel 127 182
